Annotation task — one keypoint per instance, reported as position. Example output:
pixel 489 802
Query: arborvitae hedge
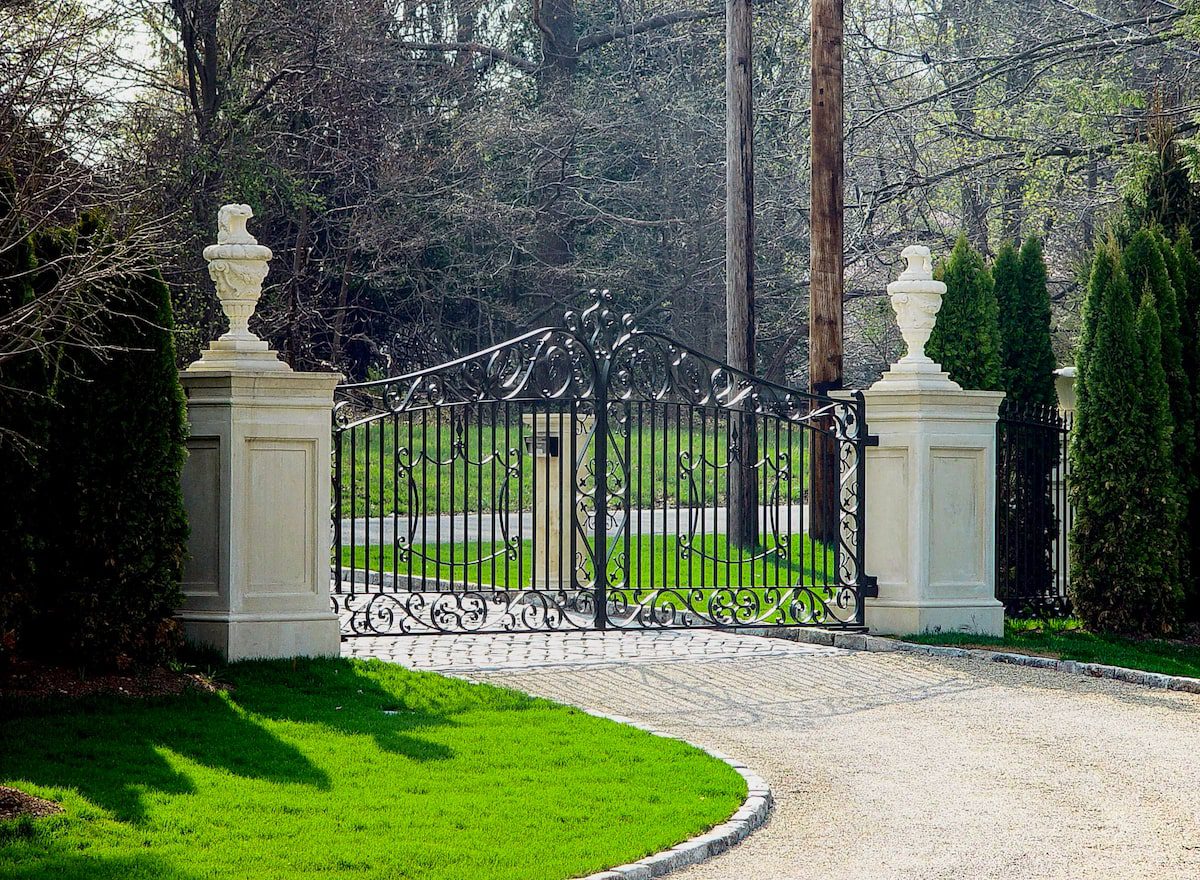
pixel 1162 508
pixel 1144 263
pixel 1026 351
pixel 1124 575
pixel 23 411
pixel 966 338
pixel 117 446
pixel 1188 291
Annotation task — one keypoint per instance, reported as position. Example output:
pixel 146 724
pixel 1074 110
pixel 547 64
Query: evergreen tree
pixel 1161 515
pixel 1144 264
pixel 1122 575
pixel 1162 194
pixel 1188 290
pixel 24 401
pixel 113 569
pixel 1026 350
pixel 966 338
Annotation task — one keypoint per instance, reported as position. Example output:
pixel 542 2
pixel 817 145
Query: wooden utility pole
pixel 739 258
pixel 825 262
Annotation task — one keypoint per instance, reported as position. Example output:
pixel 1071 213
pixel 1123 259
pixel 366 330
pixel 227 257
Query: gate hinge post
pixel 871 440
pixel 870 587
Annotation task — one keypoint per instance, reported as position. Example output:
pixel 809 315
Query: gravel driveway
pixel 897 766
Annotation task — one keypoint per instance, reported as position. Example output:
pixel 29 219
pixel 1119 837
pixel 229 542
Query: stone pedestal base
pixel 899 618
pixel 259 636
pixel 930 510
pixel 256 488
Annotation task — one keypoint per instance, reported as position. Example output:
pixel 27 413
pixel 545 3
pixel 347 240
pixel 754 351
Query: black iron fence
pixel 1033 511
pixel 581 477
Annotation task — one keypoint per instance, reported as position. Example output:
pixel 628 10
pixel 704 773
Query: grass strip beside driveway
pixel 322 769
pixel 1068 640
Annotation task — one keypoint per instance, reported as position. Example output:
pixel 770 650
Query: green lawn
pixel 470 486
pixel 1067 640
pixel 323 769
pixel 655 562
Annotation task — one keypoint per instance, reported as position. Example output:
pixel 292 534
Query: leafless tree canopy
pixel 443 171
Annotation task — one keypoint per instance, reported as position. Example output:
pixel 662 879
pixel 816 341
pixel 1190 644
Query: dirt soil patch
pixel 26 679
pixel 15 803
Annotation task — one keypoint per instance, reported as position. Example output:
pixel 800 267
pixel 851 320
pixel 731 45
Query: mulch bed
pixel 15 803
pixel 22 678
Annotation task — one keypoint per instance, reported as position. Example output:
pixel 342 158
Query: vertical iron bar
pixel 353 504
pixel 601 524
pixel 860 523
pixel 337 508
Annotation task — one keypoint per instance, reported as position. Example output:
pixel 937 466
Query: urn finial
pixel 916 299
pixel 237 264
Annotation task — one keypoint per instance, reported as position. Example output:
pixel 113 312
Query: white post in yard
pixel 1064 387
pixel 555 492
pixel 931 482
pixel 256 484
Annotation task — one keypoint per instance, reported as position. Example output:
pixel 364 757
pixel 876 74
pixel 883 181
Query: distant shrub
pixel 966 338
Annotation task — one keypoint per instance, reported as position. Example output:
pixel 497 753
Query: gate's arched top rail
pixel 596 344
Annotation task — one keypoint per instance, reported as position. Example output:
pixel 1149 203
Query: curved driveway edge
pixel 863 642
pixel 750 815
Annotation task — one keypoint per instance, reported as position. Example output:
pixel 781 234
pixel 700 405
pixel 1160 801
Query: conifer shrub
pixel 1124 559
pixel 24 400
pixel 966 338
pixel 1145 264
pixel 1187 288
pixel 1026 350
pixel 116 532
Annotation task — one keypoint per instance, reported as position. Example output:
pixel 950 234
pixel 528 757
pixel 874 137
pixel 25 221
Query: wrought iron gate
pixel 1033 511
pixel 578 478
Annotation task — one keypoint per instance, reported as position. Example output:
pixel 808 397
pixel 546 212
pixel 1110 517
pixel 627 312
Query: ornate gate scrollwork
pixel 579 477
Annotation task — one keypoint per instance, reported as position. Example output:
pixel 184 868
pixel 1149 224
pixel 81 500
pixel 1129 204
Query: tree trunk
pixel 825 290
pixel 739 259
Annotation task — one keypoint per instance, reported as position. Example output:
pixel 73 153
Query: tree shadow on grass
pixel 343 697
pixel 112 749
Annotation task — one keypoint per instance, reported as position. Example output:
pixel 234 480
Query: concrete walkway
pixel 891 765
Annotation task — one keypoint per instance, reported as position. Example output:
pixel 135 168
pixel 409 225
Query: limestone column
pixel 931 482
pixel 256 484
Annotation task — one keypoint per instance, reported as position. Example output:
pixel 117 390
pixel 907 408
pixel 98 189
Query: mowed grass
pixel 658 561
pixel 471 473
pixel 1068 640
pixel 335 769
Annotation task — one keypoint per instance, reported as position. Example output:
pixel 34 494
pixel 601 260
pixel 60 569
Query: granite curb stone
pixel 752 814
pixel 861 642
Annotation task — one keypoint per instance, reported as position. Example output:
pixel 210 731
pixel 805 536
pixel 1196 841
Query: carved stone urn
pixel 916 299
pixel 237 264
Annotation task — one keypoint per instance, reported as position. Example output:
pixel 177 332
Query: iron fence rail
pixel 1033 510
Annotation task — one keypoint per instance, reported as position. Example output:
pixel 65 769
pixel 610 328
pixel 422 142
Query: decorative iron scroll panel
pixel 577 478
pixel 1033 511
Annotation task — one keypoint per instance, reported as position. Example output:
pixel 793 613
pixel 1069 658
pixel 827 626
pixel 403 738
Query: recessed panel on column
pixel 887 477
pixel 956 541
pixel 201 484
pixel 281 477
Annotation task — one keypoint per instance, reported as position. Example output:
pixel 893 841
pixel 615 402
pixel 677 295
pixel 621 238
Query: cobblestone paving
pixel 892 765
pixel 470 654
